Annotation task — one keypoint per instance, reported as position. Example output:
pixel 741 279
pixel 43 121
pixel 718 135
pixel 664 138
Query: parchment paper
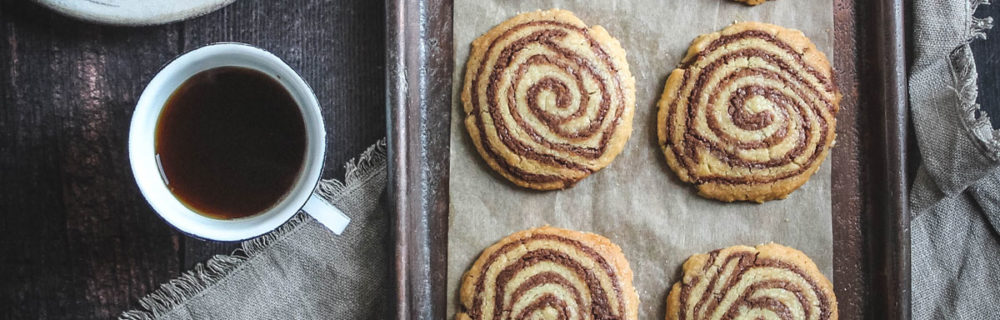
pixel 636 201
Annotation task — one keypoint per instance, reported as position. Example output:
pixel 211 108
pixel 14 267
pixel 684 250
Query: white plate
pixel 134 12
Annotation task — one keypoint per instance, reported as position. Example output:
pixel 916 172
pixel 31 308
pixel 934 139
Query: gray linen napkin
pixel 955 200
pixel 300 271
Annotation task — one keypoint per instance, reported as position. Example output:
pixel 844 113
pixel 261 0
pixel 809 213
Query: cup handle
pixel 326 213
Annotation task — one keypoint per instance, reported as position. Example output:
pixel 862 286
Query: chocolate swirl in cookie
pixel 767 282
pixel 549 273
pixel 548 101
pixel 751 113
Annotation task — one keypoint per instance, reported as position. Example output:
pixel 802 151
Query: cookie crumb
pixel 751 2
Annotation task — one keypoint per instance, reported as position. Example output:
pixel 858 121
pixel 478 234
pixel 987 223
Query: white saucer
pixel 134 12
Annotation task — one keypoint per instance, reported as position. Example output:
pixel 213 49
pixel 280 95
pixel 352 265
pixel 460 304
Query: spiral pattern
pixel 550 273
pixel 751 115
pixel 548 100
pixel 767 282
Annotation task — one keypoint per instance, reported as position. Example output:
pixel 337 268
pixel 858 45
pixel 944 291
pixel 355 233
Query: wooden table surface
pixel 987 54
pixel 77 240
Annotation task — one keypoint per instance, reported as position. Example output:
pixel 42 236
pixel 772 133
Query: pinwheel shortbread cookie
pixel 548 101
pixel 750 114
pixel 770 281
pixel 549 273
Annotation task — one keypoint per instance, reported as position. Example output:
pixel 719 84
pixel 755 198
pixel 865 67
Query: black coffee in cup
pixel 230 142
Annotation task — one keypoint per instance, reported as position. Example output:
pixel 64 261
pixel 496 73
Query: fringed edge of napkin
pixel 192 283
pixel 964 79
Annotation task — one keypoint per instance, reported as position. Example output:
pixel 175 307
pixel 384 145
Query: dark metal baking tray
pixel 870 184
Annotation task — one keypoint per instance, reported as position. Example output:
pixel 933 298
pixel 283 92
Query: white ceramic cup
pixel 142 153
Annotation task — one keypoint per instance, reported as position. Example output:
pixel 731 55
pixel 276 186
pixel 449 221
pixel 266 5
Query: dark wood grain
pixel 987 55
pixel 336 47
pixel 77 240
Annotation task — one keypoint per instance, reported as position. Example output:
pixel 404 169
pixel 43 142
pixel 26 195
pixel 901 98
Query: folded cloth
pixel 300 271
pixel 955 199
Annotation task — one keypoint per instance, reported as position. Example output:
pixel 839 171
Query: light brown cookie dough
pixel 751 2
pixel 548 101
pixel 751 113
pixel 769 281
pixel 549 273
